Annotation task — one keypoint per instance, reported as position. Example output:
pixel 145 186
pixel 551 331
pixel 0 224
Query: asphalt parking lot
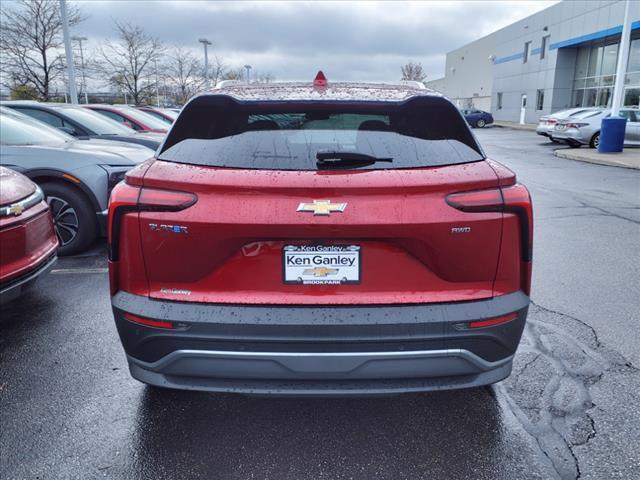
pixel 69 408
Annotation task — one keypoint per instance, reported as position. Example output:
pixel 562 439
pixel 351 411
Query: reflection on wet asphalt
pixel 69 408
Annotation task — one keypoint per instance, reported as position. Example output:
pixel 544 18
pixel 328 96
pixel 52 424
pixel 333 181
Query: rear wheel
pixel 73 218
pixel 595 141
pixel 480 123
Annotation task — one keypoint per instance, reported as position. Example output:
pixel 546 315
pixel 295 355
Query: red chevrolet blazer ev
pixel 28 242
pixel 320 239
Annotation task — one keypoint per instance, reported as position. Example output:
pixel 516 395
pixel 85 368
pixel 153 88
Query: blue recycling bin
pixel 612 134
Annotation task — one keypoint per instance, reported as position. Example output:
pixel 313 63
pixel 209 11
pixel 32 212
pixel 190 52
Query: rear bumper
pixel 320 350
pixel 574 136
pixel 14 288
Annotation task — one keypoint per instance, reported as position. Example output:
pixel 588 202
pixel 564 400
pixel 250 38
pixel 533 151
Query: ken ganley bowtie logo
pixel 321 207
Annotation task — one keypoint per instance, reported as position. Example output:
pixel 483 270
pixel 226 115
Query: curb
pixel 526 127
pixel 631 161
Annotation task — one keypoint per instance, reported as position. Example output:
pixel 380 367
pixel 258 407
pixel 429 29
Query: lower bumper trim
pixel 14 288
pixel 333 373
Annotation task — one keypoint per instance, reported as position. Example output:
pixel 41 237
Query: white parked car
pixel 584 128
pixel 546 123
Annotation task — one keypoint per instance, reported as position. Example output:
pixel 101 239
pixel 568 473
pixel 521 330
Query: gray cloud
pixel 348 40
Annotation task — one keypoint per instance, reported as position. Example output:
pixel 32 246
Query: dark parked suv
pixel 320 239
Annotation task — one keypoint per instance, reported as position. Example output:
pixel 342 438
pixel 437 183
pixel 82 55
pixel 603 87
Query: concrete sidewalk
pixel 629 158
pixel 515 125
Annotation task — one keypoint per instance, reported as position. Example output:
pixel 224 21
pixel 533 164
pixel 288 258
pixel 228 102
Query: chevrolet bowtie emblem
pixel 320 271
pixel 321 207
pixel 15 210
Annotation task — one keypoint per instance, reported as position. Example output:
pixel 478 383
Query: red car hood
pixel 15 186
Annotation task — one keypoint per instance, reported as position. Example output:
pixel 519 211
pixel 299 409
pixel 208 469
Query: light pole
pixel 612 128
pixel 206 43
pixel 155 63
pixel 248 67
pixel 67 48
pixel 84 77
pixel 621 67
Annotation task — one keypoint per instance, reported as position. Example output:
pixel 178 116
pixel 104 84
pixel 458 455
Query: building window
pixel 543 47
pixel 527 48
pixel 499 100
pixel 595 70
pixel 539 99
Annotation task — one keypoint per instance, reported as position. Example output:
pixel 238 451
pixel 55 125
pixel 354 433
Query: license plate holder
pixel 321 264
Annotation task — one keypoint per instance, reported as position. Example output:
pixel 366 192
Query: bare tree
pixel 128 63
pixel 413 71
pixel 184 73
pixel 217 69
pixel 30 44
pixel 264 77
pixel 233 74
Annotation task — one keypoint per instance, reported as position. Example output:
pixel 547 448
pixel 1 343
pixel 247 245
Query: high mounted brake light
pixel 320 81
pixel 127 198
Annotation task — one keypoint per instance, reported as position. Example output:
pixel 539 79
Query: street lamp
pixel 248 67
pixel 84 77
pixel 67 48
pixel 155 63
pixel 205 42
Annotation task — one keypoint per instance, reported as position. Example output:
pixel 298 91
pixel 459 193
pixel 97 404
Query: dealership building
pixel 562 57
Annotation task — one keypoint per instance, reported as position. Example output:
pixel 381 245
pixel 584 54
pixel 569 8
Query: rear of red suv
pixel 323 240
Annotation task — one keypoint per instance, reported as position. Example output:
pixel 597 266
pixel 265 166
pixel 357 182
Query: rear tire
pixel 480 123
pixel 74 220
pixel 595 141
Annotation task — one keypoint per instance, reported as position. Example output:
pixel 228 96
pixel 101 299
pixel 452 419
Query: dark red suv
pixel 28 241
pixel 320 239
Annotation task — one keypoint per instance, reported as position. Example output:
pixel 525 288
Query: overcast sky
pixel 292 40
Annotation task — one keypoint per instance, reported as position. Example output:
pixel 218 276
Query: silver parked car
pixel 584 128
pixel 76 176
pixel 83 123
pixel 546 123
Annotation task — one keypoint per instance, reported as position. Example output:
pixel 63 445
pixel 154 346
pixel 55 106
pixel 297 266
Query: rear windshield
pixel 220 131
pixel 586 114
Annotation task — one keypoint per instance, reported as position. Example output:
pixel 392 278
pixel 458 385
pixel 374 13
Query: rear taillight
pixel 127 198
pixel 513 199
pixel 552 121
pixel 477 201
pixel 575 125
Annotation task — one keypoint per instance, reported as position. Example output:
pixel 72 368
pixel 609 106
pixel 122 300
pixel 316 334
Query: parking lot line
pixel 64 271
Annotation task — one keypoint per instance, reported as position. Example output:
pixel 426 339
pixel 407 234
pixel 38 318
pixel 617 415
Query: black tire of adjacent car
pixel 74 219
pixel 480 123
pixel 595 140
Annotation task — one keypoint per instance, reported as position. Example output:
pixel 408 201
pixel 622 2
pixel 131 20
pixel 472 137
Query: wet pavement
pixel 69 408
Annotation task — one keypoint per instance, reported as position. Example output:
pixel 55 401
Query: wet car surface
pixel 69 408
